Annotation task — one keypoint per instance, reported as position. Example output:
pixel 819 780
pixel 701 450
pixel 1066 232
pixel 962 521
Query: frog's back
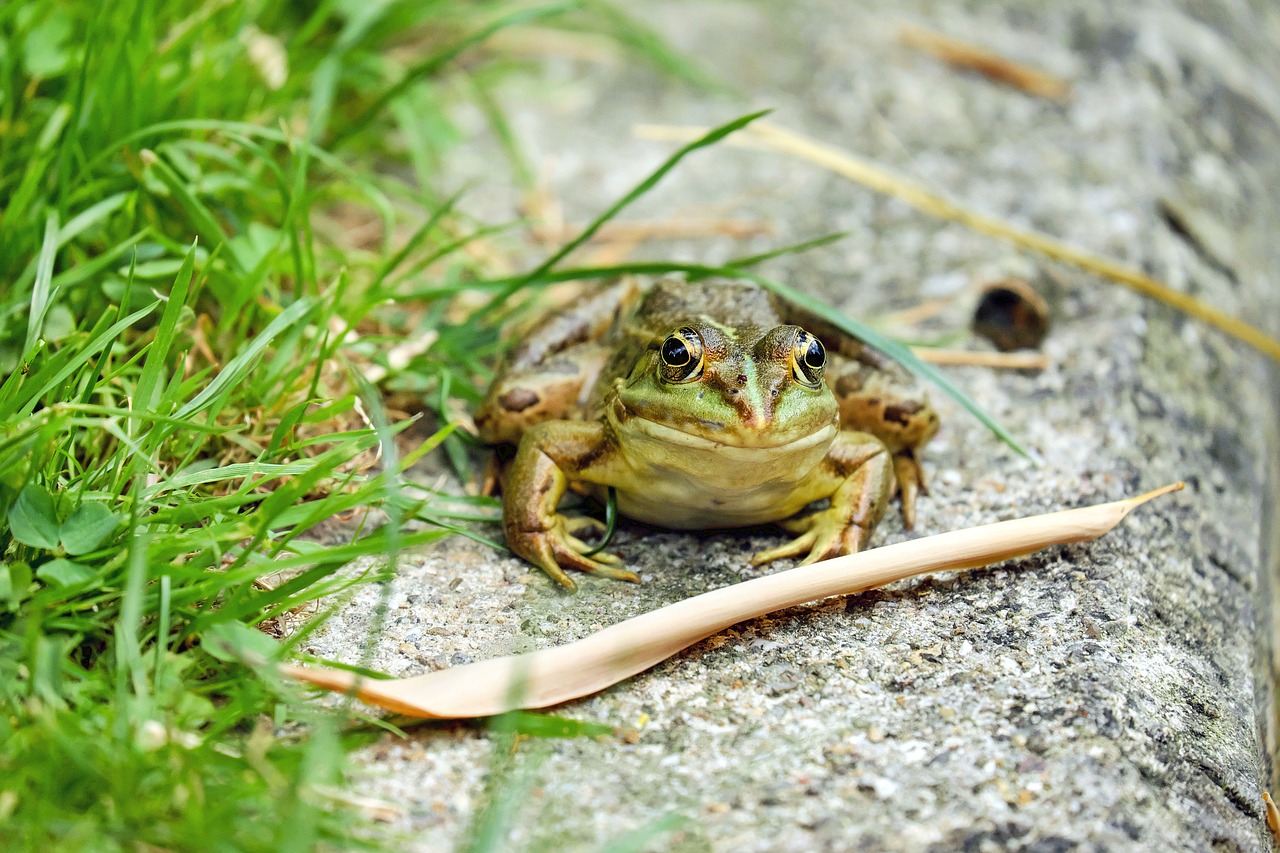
pixel 551 373
pixel 731 304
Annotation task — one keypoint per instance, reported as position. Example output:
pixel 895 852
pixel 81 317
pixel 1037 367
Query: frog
pixel 701 405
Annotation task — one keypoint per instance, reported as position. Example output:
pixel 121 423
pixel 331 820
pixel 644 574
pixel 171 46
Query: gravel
pixel 1112 696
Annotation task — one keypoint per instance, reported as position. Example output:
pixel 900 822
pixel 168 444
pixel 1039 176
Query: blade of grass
pixel 40 294
pixel 240 366
pixel 202 218
pixel 93 268
pixel 640 839
pixel 37 165
pixel 56 372
pixel 435 62
pixel 158 352
pixel 649 44
pixel 416 239
pixel 936 204
pixel 793 249
pixel 709 138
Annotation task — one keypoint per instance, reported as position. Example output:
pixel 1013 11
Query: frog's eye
pixel 808 358
pixel 681 355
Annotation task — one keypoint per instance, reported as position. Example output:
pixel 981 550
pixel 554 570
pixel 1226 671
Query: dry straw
pixel 874 176
pixel 552 676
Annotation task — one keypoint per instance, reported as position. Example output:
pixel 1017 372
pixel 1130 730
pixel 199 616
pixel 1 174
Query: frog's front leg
pixel 857 474
pixel 550 454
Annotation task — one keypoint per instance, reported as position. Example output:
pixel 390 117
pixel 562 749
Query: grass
pixel 208 239
pixel 185 321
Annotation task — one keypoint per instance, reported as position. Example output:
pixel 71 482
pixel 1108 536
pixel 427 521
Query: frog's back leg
pixel 551 373
pixel 879 396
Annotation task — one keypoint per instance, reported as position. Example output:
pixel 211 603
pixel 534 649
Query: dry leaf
pixel 1273 817
pixel 552 676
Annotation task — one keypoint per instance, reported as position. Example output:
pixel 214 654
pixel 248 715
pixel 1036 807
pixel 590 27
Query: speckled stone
pixel 1112 696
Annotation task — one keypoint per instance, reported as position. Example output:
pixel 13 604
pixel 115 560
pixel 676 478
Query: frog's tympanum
pixel 707 405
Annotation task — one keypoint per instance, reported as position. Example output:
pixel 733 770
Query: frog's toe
pixel 555 549
pixel 910 483
pixel 575 524
pixel 573 554
pixel 837 542
pixel 823 535
pixel 539 548
pixel 796 547
pixel 799 523
pixel 615 572
pixel 588 551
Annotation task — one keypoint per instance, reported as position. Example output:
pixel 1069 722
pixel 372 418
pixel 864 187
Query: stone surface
pixel 1114 696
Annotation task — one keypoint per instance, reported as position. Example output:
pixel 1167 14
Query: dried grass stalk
pixel 993 66
pixel 552 676
pixel 874 176
pixel 982 358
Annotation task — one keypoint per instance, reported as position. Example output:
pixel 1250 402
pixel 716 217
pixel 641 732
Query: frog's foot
pixel 822 535
pixel 856 507
pixel 557 549
pixel 911 484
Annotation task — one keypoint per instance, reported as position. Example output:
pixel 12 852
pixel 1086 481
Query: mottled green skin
pixel 752 436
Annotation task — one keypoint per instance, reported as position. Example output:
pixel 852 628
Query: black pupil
pixel 815 356
pixel 674 352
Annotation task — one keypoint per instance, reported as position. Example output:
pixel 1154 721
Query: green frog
pixel 703 405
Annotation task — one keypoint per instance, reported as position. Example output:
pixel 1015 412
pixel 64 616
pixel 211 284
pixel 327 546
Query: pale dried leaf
pixel 552 676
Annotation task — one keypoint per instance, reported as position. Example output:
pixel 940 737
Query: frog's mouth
pixel 728 442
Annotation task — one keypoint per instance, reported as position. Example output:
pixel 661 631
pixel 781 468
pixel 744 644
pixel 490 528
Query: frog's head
pixel 743 387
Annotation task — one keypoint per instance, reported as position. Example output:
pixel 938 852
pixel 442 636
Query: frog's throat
pixel 673 436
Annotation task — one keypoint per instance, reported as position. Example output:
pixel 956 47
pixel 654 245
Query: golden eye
pixel 808 358
pixel 681 355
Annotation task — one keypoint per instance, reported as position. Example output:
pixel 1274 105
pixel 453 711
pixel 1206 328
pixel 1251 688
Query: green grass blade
pixel 710 138
pixel 130 669
pixel 205 223
pixel 793 249
pixel 94 267
pixel 92 216
pixel 36 166
pixel 416 239
pixel 158 352
pixel 240 366
pixel 641 839
pixel 69 362
pixel 41 293
pixel 437 61
pixel 648 43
